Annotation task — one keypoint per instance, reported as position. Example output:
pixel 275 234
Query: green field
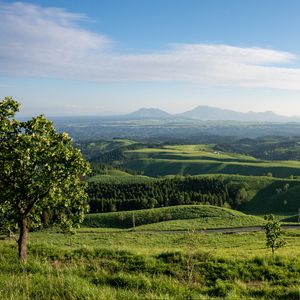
pixel 202 159
pixel 137 265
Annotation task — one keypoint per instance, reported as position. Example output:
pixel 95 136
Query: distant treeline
pixel 105 197
pixel 268 148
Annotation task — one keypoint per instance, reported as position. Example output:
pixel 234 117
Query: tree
pixel 273 233
pixel 39 170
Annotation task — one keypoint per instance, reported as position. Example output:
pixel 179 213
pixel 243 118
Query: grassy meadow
pixel 142 265
pixel 108 259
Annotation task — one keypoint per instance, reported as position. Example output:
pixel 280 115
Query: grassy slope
pixel 130 265
pixel 201 159
pixel 173 217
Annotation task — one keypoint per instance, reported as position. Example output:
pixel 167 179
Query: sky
pixel 102 57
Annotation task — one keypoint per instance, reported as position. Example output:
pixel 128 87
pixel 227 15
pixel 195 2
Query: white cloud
pixel 36 37
pixel 49 42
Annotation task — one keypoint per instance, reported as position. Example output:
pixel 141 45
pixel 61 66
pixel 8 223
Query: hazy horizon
pixel 113 114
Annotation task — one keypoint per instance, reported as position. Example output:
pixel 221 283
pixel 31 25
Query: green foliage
pixel 273 233
pixel 39 170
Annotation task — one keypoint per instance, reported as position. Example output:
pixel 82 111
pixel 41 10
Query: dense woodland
pixel 164 192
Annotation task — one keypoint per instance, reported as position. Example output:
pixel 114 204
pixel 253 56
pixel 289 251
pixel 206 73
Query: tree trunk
pixel 22 247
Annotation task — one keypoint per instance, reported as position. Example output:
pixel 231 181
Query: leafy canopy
pixel 39 170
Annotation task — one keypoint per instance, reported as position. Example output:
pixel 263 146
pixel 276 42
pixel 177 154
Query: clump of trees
pixel 40 171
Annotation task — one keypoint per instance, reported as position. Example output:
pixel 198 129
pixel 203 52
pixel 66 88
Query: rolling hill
pixel 202 159
pixel 173 218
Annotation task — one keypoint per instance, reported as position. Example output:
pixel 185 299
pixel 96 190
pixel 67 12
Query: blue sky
pixel 108 57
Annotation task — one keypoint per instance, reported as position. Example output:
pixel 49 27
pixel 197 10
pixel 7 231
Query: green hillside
pixel 173 218
pixel 202 159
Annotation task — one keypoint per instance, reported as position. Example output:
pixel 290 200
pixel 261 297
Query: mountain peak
pixel 149 113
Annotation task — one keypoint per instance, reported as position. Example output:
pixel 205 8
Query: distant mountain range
pixel 212 113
